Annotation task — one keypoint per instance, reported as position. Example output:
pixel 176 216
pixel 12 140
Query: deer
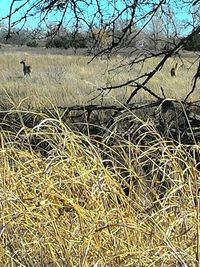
pixel 173 71
pixel 26 68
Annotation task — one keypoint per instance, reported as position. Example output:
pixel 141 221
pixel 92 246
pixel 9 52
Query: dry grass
pixel 68 208
pixel 68 80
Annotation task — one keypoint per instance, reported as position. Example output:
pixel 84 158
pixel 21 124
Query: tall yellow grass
pixel 69 80
pixel 69 208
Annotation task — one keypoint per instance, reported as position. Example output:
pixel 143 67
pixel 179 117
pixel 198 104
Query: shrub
pixel 58 42
pixel 32 43
pixel 193 44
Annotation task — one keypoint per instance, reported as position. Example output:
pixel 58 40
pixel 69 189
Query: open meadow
pixel 69 80
pixel 69 206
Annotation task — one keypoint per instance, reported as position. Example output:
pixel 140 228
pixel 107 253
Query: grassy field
pixel 69 80
pixel 69 207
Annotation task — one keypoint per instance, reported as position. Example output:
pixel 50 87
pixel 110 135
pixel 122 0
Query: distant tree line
pixel 153 39
pixel 38 37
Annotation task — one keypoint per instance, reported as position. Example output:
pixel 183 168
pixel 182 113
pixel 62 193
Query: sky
pixel 4 7
pixel 181 14
pixel 31 23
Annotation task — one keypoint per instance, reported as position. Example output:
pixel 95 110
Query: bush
pixel 58 42
pixel 32 43
pixel 193 44
pixel 75 40
pixel 78 41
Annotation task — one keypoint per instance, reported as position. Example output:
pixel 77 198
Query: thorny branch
pixel 195 78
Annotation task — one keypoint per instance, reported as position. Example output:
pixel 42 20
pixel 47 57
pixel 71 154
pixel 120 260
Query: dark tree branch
pixel 195 78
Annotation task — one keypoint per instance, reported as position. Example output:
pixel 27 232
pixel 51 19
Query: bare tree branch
pixel 195 78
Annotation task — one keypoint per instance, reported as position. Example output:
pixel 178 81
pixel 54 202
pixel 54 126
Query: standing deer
pixel 26 69
pixel 174 70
